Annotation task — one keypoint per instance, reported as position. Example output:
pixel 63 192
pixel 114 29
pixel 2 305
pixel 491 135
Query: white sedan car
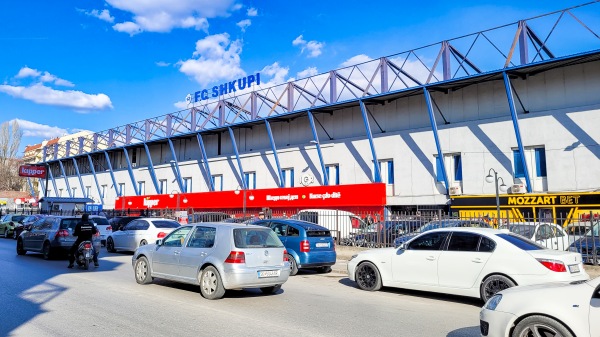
pixel 549 310
pixel 140 232
pixel 549 235
pixel 475 262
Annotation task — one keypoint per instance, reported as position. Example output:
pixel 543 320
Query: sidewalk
pixel 344 253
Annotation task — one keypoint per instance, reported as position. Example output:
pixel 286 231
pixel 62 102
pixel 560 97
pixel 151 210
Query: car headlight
pixel 353 256
pixel 493 302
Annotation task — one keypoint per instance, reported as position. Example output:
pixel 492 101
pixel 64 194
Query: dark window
pixel 540 162
pixel 519 169
pixel 68 223
pixel 524 230
pixel 255 238
pixel 463 242
pixel 203 237
pixel 293 231
pixel 318 233
pixel 457 168
pixel 144 225
pixel 520 241
pixel 99 221
pixel 486 245
pixel 279 228
pixel 431 241
pixel 177 237
pixel 165 224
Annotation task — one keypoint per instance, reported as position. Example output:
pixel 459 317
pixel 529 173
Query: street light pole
pixel 251 197
pixel 489 178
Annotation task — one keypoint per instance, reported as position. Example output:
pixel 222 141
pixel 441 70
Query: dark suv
pixel 308 245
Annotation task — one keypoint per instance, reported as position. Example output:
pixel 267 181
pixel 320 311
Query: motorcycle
pixel 85 254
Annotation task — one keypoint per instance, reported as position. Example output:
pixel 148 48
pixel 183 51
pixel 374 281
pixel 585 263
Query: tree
pixel 10 140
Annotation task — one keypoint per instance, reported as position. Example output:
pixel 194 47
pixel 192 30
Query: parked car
pixel 208 217
pixel 557 309
pixel 446 223
pixel 217 257
pixel 118 222
pixel 8 223
pixel 139 232
pixel 474 262
pixel 549 235
pixel 25 224
pixel 308 245
pixel 577 230
pixel 383 234
pixel 51 236
pixel 103 227
pixel 586 245
pixel 343 224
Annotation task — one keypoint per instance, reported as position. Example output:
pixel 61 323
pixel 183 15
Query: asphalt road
pixel 44 298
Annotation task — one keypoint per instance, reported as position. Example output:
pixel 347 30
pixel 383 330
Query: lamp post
pixel 251 197
pixel 489 178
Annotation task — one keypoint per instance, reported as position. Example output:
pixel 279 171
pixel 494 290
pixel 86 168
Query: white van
pixel 341 223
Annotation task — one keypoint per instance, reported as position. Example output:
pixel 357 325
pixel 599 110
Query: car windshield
pixel 520 241
pixel 256 238
pixel 524 230
pixel 594 229
pixel 165 224
pixel 18 218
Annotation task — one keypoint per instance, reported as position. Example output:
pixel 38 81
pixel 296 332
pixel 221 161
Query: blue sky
pixel 74 65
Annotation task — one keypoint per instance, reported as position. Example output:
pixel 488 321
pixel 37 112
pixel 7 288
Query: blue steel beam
pixel 112 174
pixel 42 182
pixel 237 155
pixel 130 169
pixel 377 172
pixel 316 137
pixel 211 184
pixel 53 182
pixel 515 119
pixel 30 187
pixel 274 148
pixel 96 179
pixel 436 137
pixel 151 168
pixel 62 169
pixel 79 176
pixel 177 171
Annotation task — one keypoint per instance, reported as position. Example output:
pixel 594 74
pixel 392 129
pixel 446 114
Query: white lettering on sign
pixel 150 202
pixel 333 195
pixel 288 197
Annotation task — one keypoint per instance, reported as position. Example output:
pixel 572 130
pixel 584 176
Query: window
pixel 520 241
pixel 431 241
pixel 187 185
pixel 60 190
pixel 88 191
pixel 386 169
pixel 333 172
pixel 103 189
pixel 463 242
pixel 486 245
pixel 142 187
pixel 217 181
pixel 288 177
pixel 518 163
pixel 163 186
pixel 250 179
pixel 203 237
pixel 74 191
pixel 121 188
pixel 457 167
pixel 540 161
pixel 134 157
pixel 177 237
pixel 279 228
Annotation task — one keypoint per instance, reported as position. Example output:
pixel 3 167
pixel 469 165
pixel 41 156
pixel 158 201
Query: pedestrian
pixel 261 215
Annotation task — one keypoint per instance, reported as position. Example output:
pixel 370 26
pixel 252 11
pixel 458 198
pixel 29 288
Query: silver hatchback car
pixel 216 256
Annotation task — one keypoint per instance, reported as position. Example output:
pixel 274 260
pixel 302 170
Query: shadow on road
pixel 233 293
pixel 472 331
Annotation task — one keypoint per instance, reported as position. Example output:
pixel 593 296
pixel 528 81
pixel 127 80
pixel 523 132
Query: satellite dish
pixel 188 98
pixel 307 179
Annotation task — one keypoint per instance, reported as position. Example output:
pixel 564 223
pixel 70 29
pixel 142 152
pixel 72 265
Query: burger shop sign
pixel 32 171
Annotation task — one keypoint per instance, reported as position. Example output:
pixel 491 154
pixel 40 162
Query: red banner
pixel 33 171
pixel 338 196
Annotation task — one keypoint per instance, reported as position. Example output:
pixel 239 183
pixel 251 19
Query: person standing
pixel 84 231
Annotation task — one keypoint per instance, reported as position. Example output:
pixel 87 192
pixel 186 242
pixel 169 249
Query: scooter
pixel 85 254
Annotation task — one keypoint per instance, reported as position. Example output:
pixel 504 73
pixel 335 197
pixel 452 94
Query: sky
pixel 73 65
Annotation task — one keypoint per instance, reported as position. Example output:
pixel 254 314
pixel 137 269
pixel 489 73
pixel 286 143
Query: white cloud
pixel 163 64
pixel 313 47
pixel 27 72
pixel 308 72
pixel 277 73
pixel 244 24
pixel 361 58
pixel 45 77
pixel 41 94
pixel 215 59
pixel 165 15
pixel 252 12
pixel 32 129
pixel 103 15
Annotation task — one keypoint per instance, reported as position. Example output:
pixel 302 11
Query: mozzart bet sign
pixel 33 171
pixel 358 195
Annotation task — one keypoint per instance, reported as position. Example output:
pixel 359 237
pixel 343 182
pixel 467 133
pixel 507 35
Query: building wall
pixel 562 117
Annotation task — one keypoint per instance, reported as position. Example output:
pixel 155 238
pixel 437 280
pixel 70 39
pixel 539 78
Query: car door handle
pixel 477 260
pixel 430 258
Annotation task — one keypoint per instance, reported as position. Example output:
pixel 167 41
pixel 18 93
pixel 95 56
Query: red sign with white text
pixel 33 171
pixel 359 195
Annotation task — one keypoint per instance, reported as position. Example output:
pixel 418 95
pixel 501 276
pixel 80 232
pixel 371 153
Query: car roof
pixel 156 219
pixel 225 225
pixel 490 231
pixel 304 224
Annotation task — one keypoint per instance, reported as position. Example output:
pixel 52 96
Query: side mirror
pixel 402 246
pixel 159 242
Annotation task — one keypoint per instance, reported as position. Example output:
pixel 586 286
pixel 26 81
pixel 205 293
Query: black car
pixel 25 224
pixel 118 222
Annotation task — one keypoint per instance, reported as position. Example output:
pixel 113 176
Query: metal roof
pixel 66 200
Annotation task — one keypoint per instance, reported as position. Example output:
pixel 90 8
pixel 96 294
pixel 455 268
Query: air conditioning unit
pixel 455 190
pixel 518 188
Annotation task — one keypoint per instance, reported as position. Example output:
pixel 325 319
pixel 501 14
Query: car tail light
pixel 97 234
pixel 161 235
pixel 304 246
pixel 109 228
pixel 285 258
pixel 553 265
pixel 63 233
pixel 87 246
pixel 236 257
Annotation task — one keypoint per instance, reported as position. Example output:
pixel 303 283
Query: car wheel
pixel 324 270
pixel 143 243
pixel 493 284
pixel 110 245
pixel 368 277
pixel 20 249
pixel 47 251
pixel 142 271
pixel 86 264
pixel 293 265
pixel 540 326
pixel 211 286
pixel 270 290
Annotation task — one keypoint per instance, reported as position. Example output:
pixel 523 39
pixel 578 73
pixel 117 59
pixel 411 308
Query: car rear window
pixel 318 233
pixel 521 242
pixel 165 224
pixel 100 221
pixel 255 238
pixel 524 230
pixel 68 223
pixel 18 218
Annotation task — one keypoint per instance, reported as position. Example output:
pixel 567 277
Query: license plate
pixel 322 245
pixel 574 268
pixel 87 255
pixel 268 273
